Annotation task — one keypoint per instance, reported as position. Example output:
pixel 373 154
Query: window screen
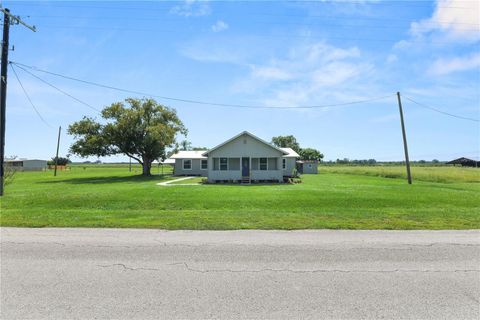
pixel 263 163
pixel 187 164
pixel 224 164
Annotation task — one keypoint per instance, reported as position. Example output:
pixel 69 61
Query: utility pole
pixel 8 19
pixel 130 165
pixel 405 147
pixel 58 146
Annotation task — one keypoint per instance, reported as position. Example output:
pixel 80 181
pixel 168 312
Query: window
pixel 187 164
pixel 272 163
pixel 284 164
pixel 224 164
pixel 254 163
pixel 233 164
pixel 263 164
pixel 204 165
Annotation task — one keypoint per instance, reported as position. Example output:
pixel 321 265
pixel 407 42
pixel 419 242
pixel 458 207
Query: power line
pixel 475 26
pixel 401 3
pixel 309 17
pixel 263 35
pixel 424 26
pixel 216 104
pixel 58 89
pixel 28 97
pixel 440 111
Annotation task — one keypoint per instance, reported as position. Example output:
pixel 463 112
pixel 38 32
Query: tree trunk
pixel 146 166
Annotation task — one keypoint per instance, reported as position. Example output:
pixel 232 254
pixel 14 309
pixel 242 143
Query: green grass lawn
pixel 109 196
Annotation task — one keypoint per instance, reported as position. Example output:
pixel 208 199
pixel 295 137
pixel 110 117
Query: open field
pixel 420 173
pixel 106 196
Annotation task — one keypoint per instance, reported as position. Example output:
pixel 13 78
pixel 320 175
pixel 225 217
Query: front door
pixel 245 167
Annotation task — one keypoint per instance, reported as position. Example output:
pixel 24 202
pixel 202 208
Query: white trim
pixel 201 164
pixel 183 164
pixel 284 164
pixel 188 155
pixel 291 153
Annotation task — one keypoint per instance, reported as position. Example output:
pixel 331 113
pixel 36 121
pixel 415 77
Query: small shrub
pixel 8 175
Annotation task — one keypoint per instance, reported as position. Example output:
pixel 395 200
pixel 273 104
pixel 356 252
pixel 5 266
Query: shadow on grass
pixel 110 179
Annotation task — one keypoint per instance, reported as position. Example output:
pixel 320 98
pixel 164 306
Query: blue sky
pixel 276 54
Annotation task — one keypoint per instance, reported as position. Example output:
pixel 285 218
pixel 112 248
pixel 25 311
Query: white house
pixel 245 157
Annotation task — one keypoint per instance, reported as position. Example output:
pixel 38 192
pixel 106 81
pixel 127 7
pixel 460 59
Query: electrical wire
pixel 401 3
pixel 28 97
pixel 58 89
pixel 440 111
pixel 216 104
pixel 426 24
pixel 210 103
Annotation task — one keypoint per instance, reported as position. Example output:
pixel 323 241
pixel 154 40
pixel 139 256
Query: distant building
pixel 307 166
pixel 465 162
pixel 27 164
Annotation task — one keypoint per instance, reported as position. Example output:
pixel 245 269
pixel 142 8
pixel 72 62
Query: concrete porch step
pixel 246 180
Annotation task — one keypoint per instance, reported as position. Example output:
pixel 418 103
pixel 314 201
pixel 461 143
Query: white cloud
pixel 219 26
pixel 191 8
pixel 446 66
pixel 308 74
pixel 204 52
pixel 269 73
pixel 456 19
pixel 392 58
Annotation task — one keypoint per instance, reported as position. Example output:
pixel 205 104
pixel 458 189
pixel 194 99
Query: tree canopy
pixel 286 142
pixel 139 128
pixel 291 142
pixel 61 161
pixel 311 154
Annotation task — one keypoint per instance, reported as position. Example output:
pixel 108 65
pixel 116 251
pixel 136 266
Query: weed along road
pixel 150 274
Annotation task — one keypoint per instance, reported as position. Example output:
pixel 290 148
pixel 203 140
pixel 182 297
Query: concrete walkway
pixel 150 274
pixel 168 183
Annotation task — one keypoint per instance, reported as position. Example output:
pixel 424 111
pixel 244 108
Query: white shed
pixel 27 164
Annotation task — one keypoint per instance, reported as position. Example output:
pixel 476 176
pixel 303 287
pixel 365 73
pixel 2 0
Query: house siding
pixel 195 171
pixel 290 165
pixel 28 165
pixel 245 146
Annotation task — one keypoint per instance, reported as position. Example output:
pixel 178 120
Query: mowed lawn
pixel 104 196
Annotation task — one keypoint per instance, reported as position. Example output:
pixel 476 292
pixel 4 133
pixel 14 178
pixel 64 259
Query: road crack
pixel 286 270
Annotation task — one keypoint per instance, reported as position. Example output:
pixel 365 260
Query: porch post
pixel 250 167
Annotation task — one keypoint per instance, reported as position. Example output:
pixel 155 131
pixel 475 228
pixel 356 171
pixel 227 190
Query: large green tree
pixel 286 142
pixel 310 154
pixel 139 128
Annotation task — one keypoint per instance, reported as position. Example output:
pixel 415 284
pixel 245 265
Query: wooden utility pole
pixel 130 164
pixel 58 146
pixel 405 147
pixel 8 19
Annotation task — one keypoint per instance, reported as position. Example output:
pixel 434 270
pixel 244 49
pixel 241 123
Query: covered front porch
pixel 246 169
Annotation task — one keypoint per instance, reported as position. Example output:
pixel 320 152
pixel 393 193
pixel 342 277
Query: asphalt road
pixel 153 274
